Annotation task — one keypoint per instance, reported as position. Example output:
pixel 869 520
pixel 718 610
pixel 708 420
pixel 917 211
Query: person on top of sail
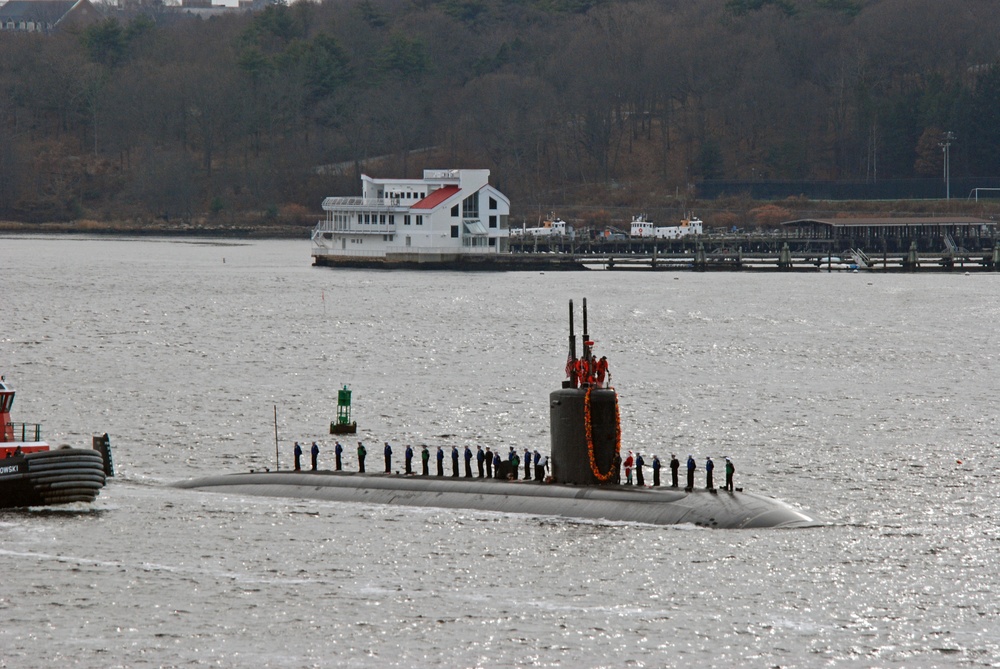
pixel 602 370
pixel 582 370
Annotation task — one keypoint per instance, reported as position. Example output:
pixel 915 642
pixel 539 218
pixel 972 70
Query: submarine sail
pixel 584 419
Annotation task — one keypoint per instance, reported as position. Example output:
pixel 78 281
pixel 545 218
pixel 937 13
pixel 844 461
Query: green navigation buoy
pixel 343 424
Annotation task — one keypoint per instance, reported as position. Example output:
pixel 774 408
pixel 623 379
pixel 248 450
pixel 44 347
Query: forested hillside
pixel 151 115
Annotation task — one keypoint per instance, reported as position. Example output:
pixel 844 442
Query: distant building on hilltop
pixel 46 16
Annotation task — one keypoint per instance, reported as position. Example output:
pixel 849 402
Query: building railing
pixel 371 203
pixel 406 250
pixel 355 228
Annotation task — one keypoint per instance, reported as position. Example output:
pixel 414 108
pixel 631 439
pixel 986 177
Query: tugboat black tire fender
pixel 65 468
pixel 77 475
pixel 87 496
pixel 70 485
pixel 63 453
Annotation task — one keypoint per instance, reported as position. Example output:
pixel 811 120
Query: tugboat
pixel 343 424
pixel 31 474
pixel 586 436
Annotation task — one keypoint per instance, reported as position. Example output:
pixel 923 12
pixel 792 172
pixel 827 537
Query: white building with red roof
pixel 449 217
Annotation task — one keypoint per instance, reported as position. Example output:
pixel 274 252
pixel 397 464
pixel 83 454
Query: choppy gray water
pixel 869 400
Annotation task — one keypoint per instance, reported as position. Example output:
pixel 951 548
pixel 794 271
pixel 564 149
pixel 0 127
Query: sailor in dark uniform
pixel 691 465
pixel 709 468
pixel 425 458
pixel 338 451
pixel 440 460
pixel 315 455
pixel 480 457
pixel 409 460
pixel 388 457
pixel 468 462
pixel 675 464
pixel 362 452
pixel 454 461
pixel 656 471
pixel 496 463
pixel 639 462
pixel 527 465
pixel 730 470
pixel 489 463
pixel 298 456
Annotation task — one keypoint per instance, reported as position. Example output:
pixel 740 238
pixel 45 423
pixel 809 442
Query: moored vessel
pixel 34 474
pixel 692 225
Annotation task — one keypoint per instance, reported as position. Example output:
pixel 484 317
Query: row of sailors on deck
pixel 636 463
pixel 489 464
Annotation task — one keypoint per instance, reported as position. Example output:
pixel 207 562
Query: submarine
pixel 585 434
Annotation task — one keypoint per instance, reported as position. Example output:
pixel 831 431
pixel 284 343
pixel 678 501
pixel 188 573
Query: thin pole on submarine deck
pixel 572 347
pixel 586 336
pixel 277 460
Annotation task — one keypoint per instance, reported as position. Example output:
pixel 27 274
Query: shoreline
pixel 222 231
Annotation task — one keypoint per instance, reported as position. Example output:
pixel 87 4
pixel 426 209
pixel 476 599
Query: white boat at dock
pixel 691 225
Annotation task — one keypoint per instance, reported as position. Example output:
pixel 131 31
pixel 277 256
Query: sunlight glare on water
pixel 867 400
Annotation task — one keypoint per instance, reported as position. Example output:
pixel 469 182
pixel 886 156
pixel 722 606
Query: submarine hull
pixel 656 506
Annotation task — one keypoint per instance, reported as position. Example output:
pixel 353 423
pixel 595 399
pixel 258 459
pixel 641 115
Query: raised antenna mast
pixel 572 348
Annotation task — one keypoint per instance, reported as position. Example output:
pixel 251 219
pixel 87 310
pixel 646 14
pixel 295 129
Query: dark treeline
pixel 149 115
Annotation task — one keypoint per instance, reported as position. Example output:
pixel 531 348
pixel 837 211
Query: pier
pixel 810 245
pixel 705 257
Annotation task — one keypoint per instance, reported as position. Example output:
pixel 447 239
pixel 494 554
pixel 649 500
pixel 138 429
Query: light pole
pixel 945 144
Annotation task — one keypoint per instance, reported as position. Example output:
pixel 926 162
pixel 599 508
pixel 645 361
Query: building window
pixel 406 219
pixel 493 221
pixel 454 211
pixel 381 219
pixel 392 219
pixel 493 203
pixel 470 206
pixel 454 232
pixel 493 241
pixel 420 220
